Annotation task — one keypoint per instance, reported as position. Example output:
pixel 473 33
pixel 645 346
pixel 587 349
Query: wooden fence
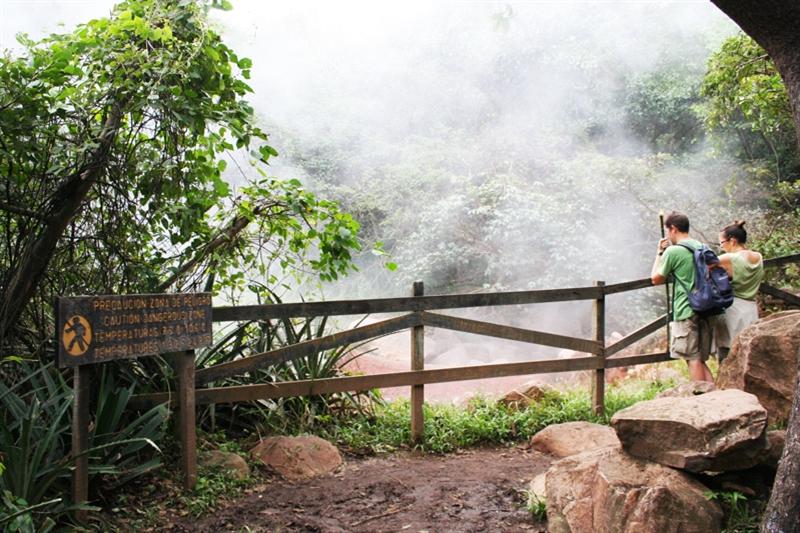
pixel 418 309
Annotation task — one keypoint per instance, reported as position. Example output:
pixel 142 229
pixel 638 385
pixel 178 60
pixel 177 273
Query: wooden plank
pixel 417 363
pixel 302 349
pixel 599 378
pixel 627 286
pixel 376 381
pixel 81 386
pixel 247 393
pixel 783 260
pixel 637 335
pixel 185 370
pixel 511 333
pixel 780 294
pixel 638 359
pixel 397 305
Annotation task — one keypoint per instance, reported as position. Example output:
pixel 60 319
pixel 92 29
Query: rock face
pixel 763 360
pixel 608 491
pixel 298 457
pixel 571 438
pixel 232 462
pixel 718 431
pixel 777 440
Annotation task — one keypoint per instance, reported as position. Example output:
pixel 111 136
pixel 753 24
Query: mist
pixel 485 144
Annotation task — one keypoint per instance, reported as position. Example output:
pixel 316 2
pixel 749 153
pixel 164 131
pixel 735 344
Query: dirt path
pixel 475 490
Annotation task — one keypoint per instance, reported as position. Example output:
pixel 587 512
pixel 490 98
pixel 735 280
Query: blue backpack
pixel 712 292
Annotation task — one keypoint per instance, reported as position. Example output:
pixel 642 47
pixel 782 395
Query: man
pixel 691 334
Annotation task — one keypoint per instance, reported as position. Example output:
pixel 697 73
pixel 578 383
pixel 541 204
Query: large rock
pixel 525 395
pixel 298 457
pixel 571 438
pixel 233 463
pixel 608 491
pixel 716 431
pixel 763 361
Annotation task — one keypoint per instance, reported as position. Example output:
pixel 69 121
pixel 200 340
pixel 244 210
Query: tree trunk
pixel 783 511
pixel 775 25
pixel 67 202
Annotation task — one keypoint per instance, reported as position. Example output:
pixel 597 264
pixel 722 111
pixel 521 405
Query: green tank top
pixel 746 276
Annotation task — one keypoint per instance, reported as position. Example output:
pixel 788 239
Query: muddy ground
pixel 475 490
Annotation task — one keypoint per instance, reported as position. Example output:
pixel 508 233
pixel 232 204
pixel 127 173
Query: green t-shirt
pixel 679 262
pixel 746 276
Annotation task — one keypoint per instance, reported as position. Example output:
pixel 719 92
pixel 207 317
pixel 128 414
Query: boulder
pixel 684 390
pixel 763 361
pixel 608 491
pixel 777 440
pixel 298 457
pixel 570 438
pixel 717 431
pixel 525 395
pixel 231 462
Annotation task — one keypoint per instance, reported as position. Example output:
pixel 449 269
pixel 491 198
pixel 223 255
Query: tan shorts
pixel 691 338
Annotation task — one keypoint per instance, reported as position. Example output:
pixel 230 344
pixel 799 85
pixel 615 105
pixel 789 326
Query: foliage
pixel 121 442
pixel 17 516
pixel 247 339
pixel 536 506
pixel 448 428
pixel 746 98
pixel 659 108
pixel 212 485
pixel 34 435
pixel 34 439
pixel 130 118
pixel 741 515
pixel 747 106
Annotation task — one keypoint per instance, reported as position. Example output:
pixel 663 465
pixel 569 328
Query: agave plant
pixel 35 429
pixel 283 414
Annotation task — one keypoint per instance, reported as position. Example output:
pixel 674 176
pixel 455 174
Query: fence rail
pixel 419 315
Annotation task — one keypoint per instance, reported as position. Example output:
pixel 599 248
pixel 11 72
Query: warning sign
pixel 94 329
pixel 76 335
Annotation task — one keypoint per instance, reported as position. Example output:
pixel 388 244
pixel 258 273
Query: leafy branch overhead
pixel 113 145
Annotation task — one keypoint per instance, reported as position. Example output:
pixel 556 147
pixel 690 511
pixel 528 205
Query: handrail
pixel 778 261
pixel 429 303
pixel 403 304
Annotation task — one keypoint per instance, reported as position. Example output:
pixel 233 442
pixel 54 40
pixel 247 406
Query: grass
pixel 741 514
pixel 448 427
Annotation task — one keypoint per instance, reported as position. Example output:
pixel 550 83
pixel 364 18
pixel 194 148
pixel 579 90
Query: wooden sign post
pixel 96 329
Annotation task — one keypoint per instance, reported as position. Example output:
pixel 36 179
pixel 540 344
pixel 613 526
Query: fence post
pixel 184 369
pixel 599 330
pixel 81 387
pixel 417 363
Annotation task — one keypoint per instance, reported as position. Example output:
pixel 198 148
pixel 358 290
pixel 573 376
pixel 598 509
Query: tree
pixel 773 24
pixel 112 147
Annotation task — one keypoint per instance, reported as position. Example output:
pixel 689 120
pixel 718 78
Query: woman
pixel 746 270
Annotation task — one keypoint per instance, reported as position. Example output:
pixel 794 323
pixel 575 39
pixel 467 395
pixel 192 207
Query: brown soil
pixel 474 490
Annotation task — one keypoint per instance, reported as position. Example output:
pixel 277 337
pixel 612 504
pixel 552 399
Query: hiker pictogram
pixel 77 335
